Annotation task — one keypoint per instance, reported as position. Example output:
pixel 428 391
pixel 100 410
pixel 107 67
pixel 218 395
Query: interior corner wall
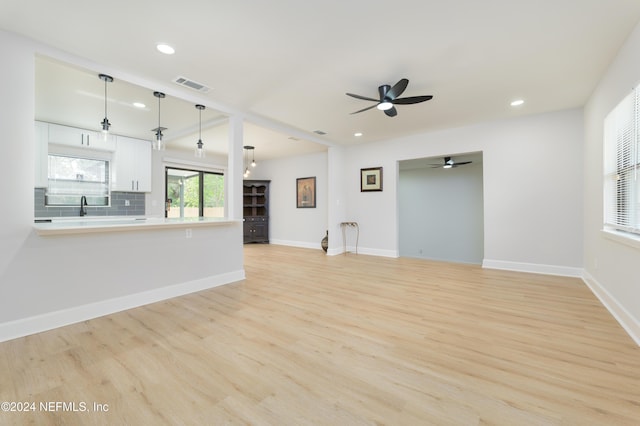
pixel 611 267
pixel 532 184
pixel 289 225
pixel 441 213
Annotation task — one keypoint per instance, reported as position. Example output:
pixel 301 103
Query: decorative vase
pixel 325 242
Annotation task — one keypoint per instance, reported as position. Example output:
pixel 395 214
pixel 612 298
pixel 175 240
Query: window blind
pixel 622 165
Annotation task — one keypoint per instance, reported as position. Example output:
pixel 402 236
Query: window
pixel 69 178
pixel 622 165
pixel 194 193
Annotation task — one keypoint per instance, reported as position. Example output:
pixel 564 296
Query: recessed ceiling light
pixel 517 102
pixel 139 105
pixel 357 134
pixel 165 48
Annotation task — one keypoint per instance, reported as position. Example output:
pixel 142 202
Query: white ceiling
pixel 287 64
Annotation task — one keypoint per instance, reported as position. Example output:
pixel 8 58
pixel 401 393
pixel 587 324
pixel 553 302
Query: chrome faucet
pixel 83 206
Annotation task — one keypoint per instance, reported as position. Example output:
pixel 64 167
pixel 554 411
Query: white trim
pixel 37 324
pixel 630 324
pixel 300 244
pixel 626 238
pixel 565 271
pixel 200 166
pixel 336 251
pixel 373 252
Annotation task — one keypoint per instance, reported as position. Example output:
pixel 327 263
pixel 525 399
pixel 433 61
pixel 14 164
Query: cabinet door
pixel 142 167
pixel 261 232
pixel 131 171
pixel 41 153
pixel 80 138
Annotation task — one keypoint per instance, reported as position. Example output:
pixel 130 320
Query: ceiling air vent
pixel 183 81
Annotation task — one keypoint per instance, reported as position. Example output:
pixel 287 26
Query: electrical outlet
pixel 127 203
pixel 188 233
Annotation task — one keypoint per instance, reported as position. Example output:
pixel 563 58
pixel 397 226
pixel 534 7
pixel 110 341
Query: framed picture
pixel 371 179
pixel 306 192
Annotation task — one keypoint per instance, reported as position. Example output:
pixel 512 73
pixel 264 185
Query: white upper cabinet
pixel 131 170
pixel 80 138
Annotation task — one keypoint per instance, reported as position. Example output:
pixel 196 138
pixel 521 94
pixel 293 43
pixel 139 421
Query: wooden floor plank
pixel 352 340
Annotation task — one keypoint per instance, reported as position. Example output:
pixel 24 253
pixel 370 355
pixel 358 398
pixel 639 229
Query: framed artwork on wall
pixel 371 179
pixel 306 192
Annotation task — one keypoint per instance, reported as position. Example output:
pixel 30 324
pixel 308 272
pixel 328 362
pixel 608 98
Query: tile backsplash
pixel 136 206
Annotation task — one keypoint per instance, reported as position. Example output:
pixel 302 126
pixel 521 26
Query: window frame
pixel 106 183
pixel 621 167
pixel 200 172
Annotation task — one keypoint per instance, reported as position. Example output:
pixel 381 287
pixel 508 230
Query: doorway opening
pixel 441 208
pixel 193 193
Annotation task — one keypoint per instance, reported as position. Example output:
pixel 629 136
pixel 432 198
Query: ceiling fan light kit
pixel 389 97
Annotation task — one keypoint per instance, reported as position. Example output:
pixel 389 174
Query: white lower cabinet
pixel 131 166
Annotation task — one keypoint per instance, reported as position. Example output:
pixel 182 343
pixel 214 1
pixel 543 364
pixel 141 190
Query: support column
pixel 234 165
pixel 336 197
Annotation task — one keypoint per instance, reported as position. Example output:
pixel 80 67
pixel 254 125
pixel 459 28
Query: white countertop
pixel 77 225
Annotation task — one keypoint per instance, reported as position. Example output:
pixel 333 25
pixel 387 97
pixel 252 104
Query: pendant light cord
pixel 105 97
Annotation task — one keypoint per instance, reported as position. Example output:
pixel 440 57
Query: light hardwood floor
pixel 343 340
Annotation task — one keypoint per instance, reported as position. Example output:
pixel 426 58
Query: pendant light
pixel 105 122
pixel 158 144
pixel 199 151
pixel 248 148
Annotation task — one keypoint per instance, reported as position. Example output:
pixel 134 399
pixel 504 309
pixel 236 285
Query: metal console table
pixel 344 226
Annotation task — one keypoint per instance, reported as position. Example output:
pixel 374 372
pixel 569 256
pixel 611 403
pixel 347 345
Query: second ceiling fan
pixel 389 96
pixel 449 163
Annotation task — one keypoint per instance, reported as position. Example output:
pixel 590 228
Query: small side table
pixel 344 226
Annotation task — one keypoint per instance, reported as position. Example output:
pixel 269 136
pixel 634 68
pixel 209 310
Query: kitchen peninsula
pixel 84 225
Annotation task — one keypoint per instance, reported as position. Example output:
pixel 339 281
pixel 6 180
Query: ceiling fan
pixel 389 98
pixel 449 163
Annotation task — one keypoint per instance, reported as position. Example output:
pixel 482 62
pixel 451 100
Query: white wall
pixel 532 189
pixel 50 281
pixel 441 213
pixel 611 266
pixel 289 225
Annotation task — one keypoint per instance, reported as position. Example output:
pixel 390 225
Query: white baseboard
pixel 300 244
pixel 373 252
pixel 24 327
pixel 565 271
pixel 336 251
pixel 615 308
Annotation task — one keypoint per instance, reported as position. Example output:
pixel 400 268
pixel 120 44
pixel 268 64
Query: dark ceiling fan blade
pixel 364 98
pixel 391 112
pixel 397 89
pixel 462 163
pixel 411 100
pixel 365 109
